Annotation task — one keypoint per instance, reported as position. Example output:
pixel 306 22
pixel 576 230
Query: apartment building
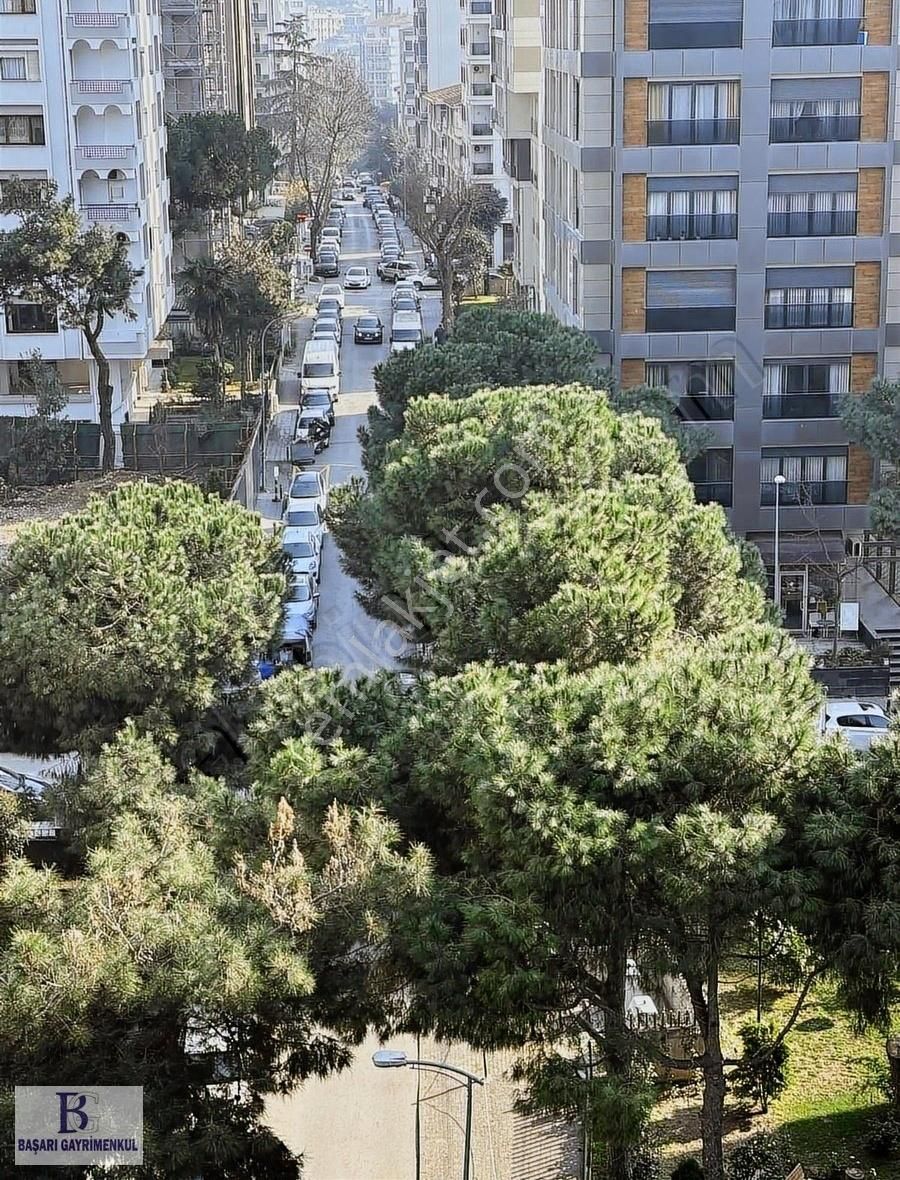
pixel 383 50
pixel 207 56
pixel 710 182
pixel 81 103
pixel 436 26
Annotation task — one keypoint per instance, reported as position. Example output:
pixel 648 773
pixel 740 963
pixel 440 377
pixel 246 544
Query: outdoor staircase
pixel 879 611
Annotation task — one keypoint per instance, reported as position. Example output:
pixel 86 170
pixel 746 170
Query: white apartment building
pixel 81 103
pixel 436 25
pixel 324 24
pixel 383 50
pixel 267 18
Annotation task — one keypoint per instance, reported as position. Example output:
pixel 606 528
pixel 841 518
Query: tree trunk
pixel 618 1054
pixel 448 308
pixel 712 1115
pixel 104 397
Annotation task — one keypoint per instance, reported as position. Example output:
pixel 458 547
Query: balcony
pixel 843 31
pixel 479 49
pixel 661 132
pixel 814 491
pixel 107 24
pixel 828 224
pixel 123 214
pixel 481 90
pixel 706 407
pixel 481 129
pixel 481 7
pixel 802 405
pixel 120 155
pixel 809 315
pixel 90 92
pixel 691 227
pixel 690 319
pixel 714 493
pixel 482 169
pixel 814 129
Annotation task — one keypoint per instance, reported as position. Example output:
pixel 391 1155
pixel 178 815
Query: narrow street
pixel 346 636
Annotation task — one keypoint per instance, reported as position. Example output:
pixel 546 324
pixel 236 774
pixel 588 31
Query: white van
pixel 406 331
pixel 321 367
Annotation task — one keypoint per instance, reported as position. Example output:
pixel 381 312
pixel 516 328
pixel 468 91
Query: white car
pixel 423 282
pixel 303 549
pixel 357 278
pixel 331 291
pixel 308 517
pixel 404 288
pixel 302 603
pixel 306 486
pixel 860 723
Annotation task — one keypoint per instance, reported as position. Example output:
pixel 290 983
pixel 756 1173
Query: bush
pixel 760 1077
pixel 761 1157
pixel 883 1137
pixel 688 1170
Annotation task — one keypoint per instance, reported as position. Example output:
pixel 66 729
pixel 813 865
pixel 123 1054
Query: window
pixel 690 300
pixel 17 7
pixel 21 129
pixel 809 297
pixel 689 24
pixel 812 206
pixel 691 207
pixel 810 477
pixel 817 22
pixel 705 389
pixel 804 389
pixel 693 112
pixel 30 317
pixel 12 69
pixel 808 110
pixel 711 476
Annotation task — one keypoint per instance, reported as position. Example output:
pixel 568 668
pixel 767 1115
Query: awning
pixel 817 549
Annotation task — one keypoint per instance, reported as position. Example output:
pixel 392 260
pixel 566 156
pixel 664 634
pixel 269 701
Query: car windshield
pixel 407 334
pixel 318 398
pixel 300 592
pixel 357 272
pixel 325 369
pixel 367 321
pixel 863 721
pixel 304 487
pixel 404 304
pixel 296 549
pixel 304 518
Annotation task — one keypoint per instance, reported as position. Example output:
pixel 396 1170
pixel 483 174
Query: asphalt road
pixel 346 635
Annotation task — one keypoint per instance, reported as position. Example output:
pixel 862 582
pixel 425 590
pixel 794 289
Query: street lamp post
pixel 778 481
pixel 397 1059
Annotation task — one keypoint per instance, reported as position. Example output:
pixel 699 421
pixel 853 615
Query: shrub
pixel 688 1170
pixel 760 1077
pixel 883 1137
pixel 762 1157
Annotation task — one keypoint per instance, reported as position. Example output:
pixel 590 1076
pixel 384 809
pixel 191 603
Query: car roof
pixel 299 533
pixel 844 708
pixel 369 315
pixel 407 317
pixel 351 269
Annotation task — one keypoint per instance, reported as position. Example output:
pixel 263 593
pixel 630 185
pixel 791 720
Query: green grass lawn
pixel 186 369
pixel 827 1105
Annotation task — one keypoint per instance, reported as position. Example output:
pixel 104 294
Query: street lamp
pixel 778 481
pixel 397 1059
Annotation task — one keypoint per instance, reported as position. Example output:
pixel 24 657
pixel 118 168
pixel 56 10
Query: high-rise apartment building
pixel 437 25
pixel 207 56
pixel 382 54
pixel 704 187
pixel 81 104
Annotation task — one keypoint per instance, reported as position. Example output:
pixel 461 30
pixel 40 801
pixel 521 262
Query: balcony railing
pixel 691 226
pixel 86 154
pixel 830 224
pixel 802 405
pixel 706 407
pixel 481 7
pixel 110 212
pixel 481 129
pixel 690 319
pixel 714 493
pixel 814 129
pixel 691 131
pixel 482 169
pixel 97 20
pixel 843 31
pixel 809 315
pixel 694 34
pixel 479 49
pixel 813 491
pixel 100 85
pixel 481 89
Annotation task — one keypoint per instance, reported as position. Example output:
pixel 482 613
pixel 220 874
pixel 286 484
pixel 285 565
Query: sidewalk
pixel 281 429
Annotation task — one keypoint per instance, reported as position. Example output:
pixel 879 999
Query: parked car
pixel 406 303
pixel 424 282
pixel 405 287
pixel 357 278
pixel 326 330
pixel 320 399
pixel 860 723
pixel 329 305
pixel 303 550
pixel 305 518
pixel 331 291
pixel 302 602
pixel 308 485
pixel 327 265
pixel 368 329
pixel 389 270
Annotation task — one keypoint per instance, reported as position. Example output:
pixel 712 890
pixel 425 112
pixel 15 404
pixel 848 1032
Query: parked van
pixel 406 331
pixel 321 367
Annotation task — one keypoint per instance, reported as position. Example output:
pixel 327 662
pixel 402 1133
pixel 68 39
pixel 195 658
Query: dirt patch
pixel 21 506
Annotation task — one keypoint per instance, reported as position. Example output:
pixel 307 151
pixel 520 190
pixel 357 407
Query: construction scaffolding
pixel 196 35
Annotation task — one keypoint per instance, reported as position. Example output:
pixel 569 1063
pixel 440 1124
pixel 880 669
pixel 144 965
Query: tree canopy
pixel 535 524
pixel 872 420
pixel 214 162
pixel 83 276
pixel 144 606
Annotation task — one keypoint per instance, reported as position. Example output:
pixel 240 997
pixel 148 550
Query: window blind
pixel 670 12
pixel 691 288
pixel 830 182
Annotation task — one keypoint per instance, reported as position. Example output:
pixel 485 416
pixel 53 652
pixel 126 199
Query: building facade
pixel 710 185
pixel 82 104
pixel 436 25
pixel 207 56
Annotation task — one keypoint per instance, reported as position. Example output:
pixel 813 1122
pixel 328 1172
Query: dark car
pixel 368 329
pixel 327 265
pixel 320 399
